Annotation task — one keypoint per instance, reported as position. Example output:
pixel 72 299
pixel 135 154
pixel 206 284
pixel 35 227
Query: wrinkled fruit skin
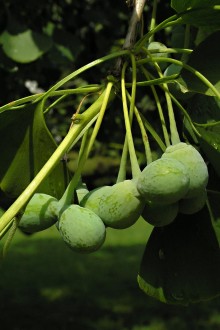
pixel 160 215
pixel 119 206
pixel 194 163
pixel 40 213
pixel 164 181
pixel 81 229
pixel 193 205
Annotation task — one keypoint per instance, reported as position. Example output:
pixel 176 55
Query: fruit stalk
pixel 159 107
pixel 143 133
pixel 133 158
pixel 198 74
pixel 66 199
pixel 173 128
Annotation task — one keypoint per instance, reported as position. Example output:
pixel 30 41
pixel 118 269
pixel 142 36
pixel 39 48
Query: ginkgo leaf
pixel 181 261
pixel 25 146
pixel 22 44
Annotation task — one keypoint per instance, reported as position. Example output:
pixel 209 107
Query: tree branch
pixel 134 20
pixel 138 7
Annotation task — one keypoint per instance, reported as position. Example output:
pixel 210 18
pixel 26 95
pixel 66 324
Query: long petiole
pixel 173 127
pixel 32 98
pixel 85 150
pixel 83 69
pixel 133 158
pixel 153 19
pixel 143 133
pixel 179 105
pixel 187 67
pixel 159 107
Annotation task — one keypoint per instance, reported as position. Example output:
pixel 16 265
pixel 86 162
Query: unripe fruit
pixel 119 206
pixel 194 163
pixel 40 213
pixel 164 181
pixel 81 229
pixel 193 205
pixel 160 215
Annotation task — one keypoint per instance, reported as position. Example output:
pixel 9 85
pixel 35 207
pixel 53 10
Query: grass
pixel 44 285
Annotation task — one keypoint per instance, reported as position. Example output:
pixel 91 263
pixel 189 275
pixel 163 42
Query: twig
pixel 130 39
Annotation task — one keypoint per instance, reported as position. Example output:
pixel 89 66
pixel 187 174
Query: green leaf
pixel 186 4
pixel 23 45
pixel 25 146
pixel 210 144
pixel 205 113
pixel 181 262
pixel 214 204
pixel 204 15
pixel 205 59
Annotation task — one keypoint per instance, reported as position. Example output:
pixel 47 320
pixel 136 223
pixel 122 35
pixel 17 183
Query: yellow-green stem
pixel 67 197
pixel 182 109
pixel 143 134
pixel 159 108
pixel 173 127
pixel 133 158
pixel 187 67
pixel 153 19
pixel 33 98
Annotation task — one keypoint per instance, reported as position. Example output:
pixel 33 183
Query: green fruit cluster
pixel 80 228
pixel 174 183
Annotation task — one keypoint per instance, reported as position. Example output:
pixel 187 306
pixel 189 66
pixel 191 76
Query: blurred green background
pixel 44 285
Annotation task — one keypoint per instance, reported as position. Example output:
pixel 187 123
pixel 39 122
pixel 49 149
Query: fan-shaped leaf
pixel 25 146
pixel 181 262
pixel 203 15
pixel 205 59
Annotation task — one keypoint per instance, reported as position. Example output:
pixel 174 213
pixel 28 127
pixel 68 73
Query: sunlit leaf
pixel 25 146
pixel 23 45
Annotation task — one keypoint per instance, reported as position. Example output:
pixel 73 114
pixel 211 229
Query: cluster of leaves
pixel 187 76
pixel 51 38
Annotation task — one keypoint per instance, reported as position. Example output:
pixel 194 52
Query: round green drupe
pixel 119 206
pixel 193 205
pixel 195 166
pixel 164 181
pixel 81 229
pixel 160 215
pixel 40 213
